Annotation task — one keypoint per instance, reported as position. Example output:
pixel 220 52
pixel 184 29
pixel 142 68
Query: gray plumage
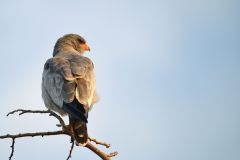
pixel 68 75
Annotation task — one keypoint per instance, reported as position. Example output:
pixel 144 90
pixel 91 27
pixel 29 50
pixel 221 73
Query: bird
pixel 69 84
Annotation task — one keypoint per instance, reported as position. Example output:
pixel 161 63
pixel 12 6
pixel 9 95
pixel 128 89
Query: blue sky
pixel 168 76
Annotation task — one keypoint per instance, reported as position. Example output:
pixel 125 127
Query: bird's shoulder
pixel 78 60
pixel 58 66
pixel 54 62
pixel 69 65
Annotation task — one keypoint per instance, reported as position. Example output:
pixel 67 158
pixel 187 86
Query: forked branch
pixel 65 131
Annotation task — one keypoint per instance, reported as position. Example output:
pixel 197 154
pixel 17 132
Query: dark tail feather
pixel 76 110
pixel 77 119
pixel 79 130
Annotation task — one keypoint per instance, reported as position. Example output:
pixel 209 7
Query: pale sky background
pixel 168 74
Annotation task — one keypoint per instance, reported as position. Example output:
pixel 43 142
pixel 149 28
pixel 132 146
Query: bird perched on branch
pixel 68 83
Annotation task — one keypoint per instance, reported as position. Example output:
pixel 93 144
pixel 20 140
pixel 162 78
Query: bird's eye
pixel 81 40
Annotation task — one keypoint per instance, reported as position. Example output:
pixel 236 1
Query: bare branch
pixel 12 146
pixel 65 131
pixel 71 149
pixel 33 134
pixel 113 154
pixel 101 154
pixel 99 142
pixel 51 113
pixel 23 111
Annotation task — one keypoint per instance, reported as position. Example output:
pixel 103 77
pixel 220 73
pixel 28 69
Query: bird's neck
pixel 67 48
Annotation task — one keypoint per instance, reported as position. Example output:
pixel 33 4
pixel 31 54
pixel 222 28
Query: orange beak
pixel 85 47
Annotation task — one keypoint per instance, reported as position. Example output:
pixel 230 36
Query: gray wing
pixel 66 77
pixel 83 71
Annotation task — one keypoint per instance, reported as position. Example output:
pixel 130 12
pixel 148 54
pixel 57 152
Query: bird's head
pixel 71 42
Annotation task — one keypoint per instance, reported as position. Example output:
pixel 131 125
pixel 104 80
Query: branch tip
pixel 71 149
pixel 12 146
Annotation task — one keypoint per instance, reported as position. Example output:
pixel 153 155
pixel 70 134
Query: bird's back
pixel 66 77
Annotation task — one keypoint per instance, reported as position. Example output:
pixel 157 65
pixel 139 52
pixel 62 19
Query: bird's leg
pixel 71 128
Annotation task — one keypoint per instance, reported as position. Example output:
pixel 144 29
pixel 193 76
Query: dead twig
pixel 71 149
pixel 99 142
pixel 12 146
pixel 42 134
pixel 51 113
pixel 101 154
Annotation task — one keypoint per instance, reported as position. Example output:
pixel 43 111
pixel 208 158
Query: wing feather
pixel 68 76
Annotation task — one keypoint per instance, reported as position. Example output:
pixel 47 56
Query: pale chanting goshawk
pixel 68 83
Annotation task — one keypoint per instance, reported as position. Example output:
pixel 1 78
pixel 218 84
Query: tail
pixel 77 120
pixel 79 131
